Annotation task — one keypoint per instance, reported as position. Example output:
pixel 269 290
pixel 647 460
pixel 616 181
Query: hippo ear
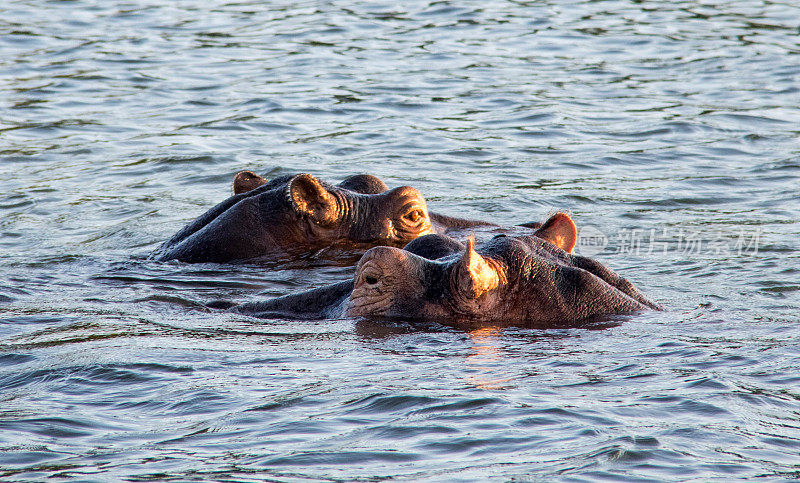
pixel 559 230
pixel 245 181
pixel 311 198
pixel 476 275
pixel 365 184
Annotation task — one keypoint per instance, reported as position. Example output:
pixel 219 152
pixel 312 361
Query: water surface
pixel 668 129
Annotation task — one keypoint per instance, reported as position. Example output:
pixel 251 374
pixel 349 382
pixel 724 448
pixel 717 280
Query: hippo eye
pixel 370 280
pixel 414 216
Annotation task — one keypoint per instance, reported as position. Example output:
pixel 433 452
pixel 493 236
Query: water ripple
pixel 654 124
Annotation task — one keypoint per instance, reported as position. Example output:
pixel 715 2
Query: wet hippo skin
pixel 519 280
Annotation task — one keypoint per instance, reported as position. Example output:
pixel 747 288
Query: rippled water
pixel 668 129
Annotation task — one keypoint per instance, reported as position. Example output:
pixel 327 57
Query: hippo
pixel 528 280
pixel 299 214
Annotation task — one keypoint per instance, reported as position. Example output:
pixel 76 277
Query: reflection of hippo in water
pixel 297 214
pixel 510 279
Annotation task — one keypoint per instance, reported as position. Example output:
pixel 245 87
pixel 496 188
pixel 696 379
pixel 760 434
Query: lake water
pixel 670 131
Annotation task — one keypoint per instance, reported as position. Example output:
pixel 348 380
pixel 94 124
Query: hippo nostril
pixel 370 280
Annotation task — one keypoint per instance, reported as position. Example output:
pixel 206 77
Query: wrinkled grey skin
pixel 298 214
pixel 542 286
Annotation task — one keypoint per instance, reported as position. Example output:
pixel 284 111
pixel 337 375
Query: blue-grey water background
pixel 669 129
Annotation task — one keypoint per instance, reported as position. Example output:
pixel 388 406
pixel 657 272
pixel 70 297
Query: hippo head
pixel 337 214
pixel 526 279
pixel 300 214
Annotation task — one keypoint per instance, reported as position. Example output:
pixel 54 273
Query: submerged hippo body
pixel 521 280
pixel 298 214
